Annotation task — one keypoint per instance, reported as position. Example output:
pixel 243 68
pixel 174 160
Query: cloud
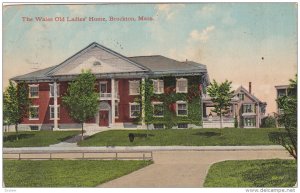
pixel 203 35
pixel 206 10
pixel 169 11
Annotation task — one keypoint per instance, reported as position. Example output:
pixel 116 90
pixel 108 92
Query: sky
pixel 241 42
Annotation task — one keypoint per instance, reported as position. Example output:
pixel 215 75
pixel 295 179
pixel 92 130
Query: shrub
pixel 268 122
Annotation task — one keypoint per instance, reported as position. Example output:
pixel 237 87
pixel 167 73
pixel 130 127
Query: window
pixel 249 122
pixel 134 87
pixel 281 92
pixel 134 110
pixel 103 87
pixel 52 112
pixel 34 127
pixel 182 108
pixel 158 86
pixel 241 96
pixel 33 112
pixel 158 126
pixel 248 108
pixel 158 109
pixel 116 110
pixel 182 125
pixel 34 91
pixel 51 93
pixel 181 85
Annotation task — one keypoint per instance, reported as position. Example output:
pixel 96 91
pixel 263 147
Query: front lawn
pixel 252 173
pixel 66 173
pixel 184 137
pixel 36 138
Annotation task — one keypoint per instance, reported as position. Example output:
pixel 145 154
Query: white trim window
pixel 103 86
pixel 181 85
pixel 158 109
pixel 34 112
pixel 33 91
pixel 158 86
pixel 134 110
pixel 249 122
pixel 241 96
pixel 51 92
pixel 116 110
pixel 134 87
pixel 51 112
pixel 181 108
pixel 248 108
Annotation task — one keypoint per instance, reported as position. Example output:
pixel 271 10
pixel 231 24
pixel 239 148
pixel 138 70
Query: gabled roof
pixel 111 60
pixel 241 88
pixel 158 63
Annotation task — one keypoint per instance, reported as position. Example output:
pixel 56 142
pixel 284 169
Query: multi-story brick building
pixel 118 82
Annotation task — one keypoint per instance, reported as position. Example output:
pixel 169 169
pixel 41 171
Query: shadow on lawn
pixel 12 138
pixel 208 134
pixel 276 137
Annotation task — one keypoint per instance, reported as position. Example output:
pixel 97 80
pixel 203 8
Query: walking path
pixel 151 148
pixel 173 169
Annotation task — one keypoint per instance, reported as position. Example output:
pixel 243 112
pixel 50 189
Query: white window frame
pixel 58 112
pixel 131 82
pixel 253 121
pixel 252 107
pixel 131 104
pixel 34 106
pixel 34 85
pixel 117 107
pixel 52 85
pixel 103 82
pixel 240 96
pixel 182 102
pixel 177 87
pixel 157 103
pixel 160 86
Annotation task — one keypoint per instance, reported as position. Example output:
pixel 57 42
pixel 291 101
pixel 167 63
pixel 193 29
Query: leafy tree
pixel 15 104
pixel 221 95
pixel 81 98
pixel 288 118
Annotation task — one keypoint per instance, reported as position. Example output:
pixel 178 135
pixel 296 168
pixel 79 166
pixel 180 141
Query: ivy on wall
pixel 169 98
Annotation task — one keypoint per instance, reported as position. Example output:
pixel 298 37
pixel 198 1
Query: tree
pixel 288 118
pixel 221 95
pixel 15 104
pixel 81 98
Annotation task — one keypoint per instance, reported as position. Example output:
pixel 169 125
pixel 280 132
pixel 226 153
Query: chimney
pixel 250 87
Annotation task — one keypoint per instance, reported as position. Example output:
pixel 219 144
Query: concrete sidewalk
pixel 151 148
pixel 187 169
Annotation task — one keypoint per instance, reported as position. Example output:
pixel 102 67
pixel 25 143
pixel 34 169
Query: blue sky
pixel 230 38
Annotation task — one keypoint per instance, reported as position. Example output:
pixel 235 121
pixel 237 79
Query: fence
pixel 77 154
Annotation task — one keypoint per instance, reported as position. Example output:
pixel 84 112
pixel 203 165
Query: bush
pixel 131 137
pixel 268 122
pixel 236 124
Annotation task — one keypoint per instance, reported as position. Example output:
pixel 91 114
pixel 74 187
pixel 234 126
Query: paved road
pixel 185 168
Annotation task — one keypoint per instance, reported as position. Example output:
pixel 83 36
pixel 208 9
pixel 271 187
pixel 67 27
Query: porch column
pixel 55 106
pixel 233 110
pixel 257 115
pixel 143 102
pixel 113 102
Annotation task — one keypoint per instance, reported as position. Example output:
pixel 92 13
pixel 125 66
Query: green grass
pixel 36 138
pixel 66 173
pixel 184 137
pixel 254 173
